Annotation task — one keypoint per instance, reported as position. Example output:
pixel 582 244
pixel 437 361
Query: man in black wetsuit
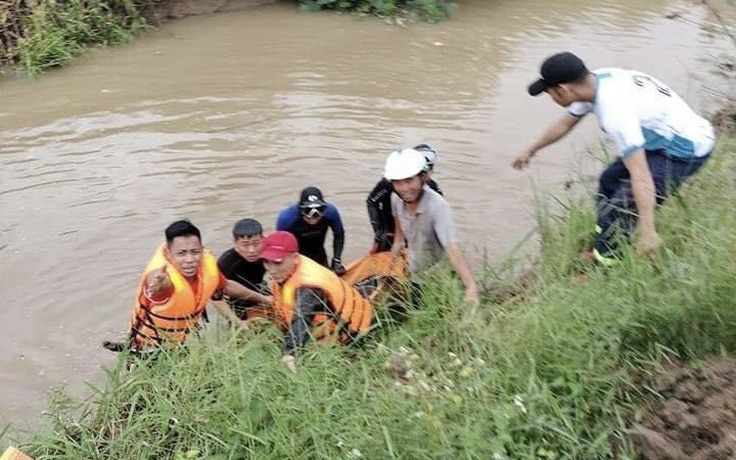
pixel 379 203
pixel 308 220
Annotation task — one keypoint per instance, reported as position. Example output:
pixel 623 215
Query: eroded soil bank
pixel 696 417
pixel 175 9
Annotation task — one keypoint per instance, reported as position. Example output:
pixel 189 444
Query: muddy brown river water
pixel 227 116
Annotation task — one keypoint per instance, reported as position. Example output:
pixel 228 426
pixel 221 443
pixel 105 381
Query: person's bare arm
pixel 552 134
pixel 398 237
pixel 158 288
pixel 224 310
pixel 642 187
pixel 236 290
pixel 457 259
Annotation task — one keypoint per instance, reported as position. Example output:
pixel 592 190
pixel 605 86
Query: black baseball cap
pixel 311 197
pixel 557 69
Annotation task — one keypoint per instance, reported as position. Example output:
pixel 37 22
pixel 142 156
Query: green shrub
pixel 430 10
pixel 56 31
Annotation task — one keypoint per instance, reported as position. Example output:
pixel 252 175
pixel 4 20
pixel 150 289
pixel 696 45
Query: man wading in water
pixel 308 220
pixel 242 264
pixel 310 300
pixel 174 290
pixel 659 139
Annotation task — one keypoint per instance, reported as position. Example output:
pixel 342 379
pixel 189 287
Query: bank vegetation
pixel 40 34
pixel 36 35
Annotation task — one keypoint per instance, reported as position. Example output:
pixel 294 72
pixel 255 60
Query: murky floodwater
pixel 223 117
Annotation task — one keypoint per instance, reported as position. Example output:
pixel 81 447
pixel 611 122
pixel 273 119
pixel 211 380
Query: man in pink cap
pixel 310 300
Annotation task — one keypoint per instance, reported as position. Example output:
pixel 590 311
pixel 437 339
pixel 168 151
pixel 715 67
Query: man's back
pixel 637 110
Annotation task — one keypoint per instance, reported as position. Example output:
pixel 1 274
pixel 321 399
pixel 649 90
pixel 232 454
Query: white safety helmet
pixel 429 153
pixel 403 164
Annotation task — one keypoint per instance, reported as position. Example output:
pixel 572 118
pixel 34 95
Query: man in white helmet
pixel 423 218
pixel 379 203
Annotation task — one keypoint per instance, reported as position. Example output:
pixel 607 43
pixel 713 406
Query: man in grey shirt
pixel 423 218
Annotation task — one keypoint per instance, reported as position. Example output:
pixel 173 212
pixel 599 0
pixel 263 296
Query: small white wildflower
pixel 355 453
pixel 340 443
pixel 499 456
pixel 451 355
pixel 519 402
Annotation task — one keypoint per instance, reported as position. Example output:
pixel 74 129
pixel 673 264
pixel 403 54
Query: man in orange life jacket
pixel 175 288
pixel 310 299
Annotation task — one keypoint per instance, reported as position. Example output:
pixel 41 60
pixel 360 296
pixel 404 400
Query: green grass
pixel 54 32
pixel 548 376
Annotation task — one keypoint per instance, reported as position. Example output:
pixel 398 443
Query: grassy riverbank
pixel 49 33
pixel 548 371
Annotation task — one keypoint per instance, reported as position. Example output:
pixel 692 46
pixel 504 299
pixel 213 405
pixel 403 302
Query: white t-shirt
pixel 638 111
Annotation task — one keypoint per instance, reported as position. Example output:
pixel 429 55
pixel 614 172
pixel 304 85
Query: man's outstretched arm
pixel 552 134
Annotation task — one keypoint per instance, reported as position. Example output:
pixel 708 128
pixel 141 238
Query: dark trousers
pixel 615 201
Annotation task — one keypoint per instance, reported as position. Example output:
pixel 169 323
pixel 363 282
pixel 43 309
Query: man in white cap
pixel 423 218
pixel 660 142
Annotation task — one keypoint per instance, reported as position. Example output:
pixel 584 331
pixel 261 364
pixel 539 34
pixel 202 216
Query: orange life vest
pixel 173 320
pixel 347 314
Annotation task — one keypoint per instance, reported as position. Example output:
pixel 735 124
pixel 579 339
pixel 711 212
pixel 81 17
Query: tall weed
pixel 430 10
pixel 53 32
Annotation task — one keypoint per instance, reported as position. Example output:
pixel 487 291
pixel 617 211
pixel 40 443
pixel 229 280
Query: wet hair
pixel 181 228
pixel 245 228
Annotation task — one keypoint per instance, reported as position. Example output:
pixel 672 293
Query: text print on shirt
pixel 640 80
